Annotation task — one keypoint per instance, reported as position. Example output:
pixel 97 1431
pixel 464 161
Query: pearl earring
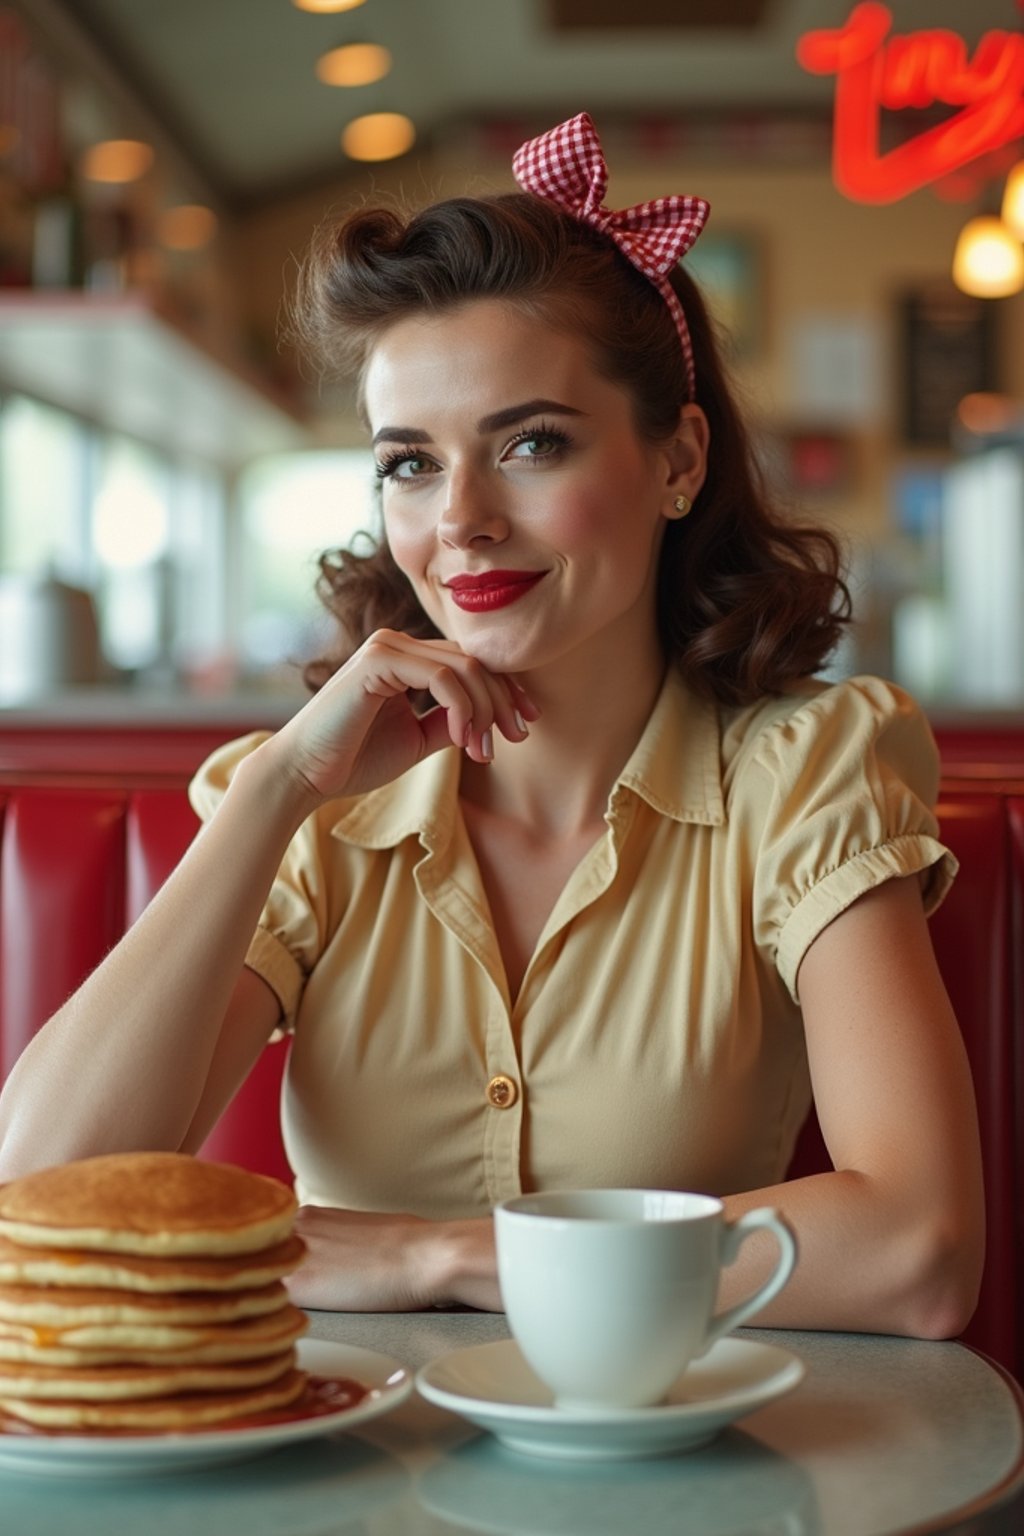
pixel 682 505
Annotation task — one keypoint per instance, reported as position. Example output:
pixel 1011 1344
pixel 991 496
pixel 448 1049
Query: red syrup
pixel 321 1397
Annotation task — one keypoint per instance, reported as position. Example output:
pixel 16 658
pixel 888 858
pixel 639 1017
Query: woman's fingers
pixel 434 730
pixel 363 1261
pixel 510 703
pixel 360 730
pixel 476 702
pixel 521 699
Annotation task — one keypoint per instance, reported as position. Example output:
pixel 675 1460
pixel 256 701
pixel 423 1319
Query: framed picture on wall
pixel 810 464
pixel 948 345
pixel 727 268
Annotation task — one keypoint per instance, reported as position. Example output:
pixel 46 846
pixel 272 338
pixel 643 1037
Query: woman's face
pixel 518 498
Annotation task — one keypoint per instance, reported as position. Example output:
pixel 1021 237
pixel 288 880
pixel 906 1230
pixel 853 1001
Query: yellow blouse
pixel 656 1039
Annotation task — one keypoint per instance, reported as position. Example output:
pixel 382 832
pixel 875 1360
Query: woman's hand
pixel 360 1261
pixel 361 731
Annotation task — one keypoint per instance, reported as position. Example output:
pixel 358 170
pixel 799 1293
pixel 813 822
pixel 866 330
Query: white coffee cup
pixel 610 1293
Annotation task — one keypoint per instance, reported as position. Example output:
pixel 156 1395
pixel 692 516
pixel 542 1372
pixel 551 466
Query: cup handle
pixel 733 1236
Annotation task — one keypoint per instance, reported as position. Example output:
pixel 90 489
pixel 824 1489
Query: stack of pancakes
pixel 142 1291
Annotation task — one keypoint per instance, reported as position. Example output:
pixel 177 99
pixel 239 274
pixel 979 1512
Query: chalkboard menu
pixel 949 350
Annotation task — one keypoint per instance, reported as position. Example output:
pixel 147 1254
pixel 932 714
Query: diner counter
pixel 883 1435
pixel 272 701
pixel 104 708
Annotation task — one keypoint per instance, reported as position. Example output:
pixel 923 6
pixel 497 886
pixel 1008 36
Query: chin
pixel 499 642
pixel 498 655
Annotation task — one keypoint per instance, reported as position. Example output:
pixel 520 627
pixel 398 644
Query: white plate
pixel 492 1385
pixel 105 1456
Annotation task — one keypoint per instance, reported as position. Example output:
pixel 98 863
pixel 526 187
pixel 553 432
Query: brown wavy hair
pixel 749 600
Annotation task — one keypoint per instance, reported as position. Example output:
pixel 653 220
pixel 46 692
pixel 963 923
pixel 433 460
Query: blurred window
pixel 292 509
pixel 43 490
pixel 185 587
pixel 130 539
pixel 160 558
pixel 199 555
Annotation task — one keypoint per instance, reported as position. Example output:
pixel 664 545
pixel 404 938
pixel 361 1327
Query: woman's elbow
pixel 940 1295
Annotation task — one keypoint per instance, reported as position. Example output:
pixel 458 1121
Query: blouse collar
pixel 675 767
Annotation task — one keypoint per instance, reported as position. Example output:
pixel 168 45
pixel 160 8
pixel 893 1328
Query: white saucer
pixel 97 1455
pixel 492 1385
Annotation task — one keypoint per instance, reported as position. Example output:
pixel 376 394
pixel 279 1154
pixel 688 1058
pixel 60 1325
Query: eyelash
pixel 388 464
pixel 555 435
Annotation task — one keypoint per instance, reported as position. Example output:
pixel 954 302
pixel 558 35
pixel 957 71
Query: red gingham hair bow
pixel 566 167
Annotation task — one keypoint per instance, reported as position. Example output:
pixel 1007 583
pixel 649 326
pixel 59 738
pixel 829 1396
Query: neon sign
pixel 921 69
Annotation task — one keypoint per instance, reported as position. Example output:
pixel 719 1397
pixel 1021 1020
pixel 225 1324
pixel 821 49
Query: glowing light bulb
pixel 355 64
pixel 378 136
pixel 1013 200
pixel 186 227
pixel 988 261
pixel 325 7
pixel 117 160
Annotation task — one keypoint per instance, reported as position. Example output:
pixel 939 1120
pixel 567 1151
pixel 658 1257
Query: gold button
pixel 502 1091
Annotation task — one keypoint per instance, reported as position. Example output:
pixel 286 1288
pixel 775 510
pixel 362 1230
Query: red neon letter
pixel 917 71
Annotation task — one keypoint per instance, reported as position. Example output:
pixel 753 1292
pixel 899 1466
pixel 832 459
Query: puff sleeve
pixel 291 933
pixel 848 783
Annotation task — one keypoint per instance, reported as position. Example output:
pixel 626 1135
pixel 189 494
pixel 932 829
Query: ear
pixel 686 461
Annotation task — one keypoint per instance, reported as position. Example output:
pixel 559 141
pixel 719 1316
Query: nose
pixel 473 511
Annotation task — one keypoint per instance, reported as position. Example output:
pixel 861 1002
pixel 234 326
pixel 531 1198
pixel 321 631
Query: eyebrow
pixel 509 417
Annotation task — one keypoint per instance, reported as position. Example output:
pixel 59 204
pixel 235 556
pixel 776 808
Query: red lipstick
pixel 491 589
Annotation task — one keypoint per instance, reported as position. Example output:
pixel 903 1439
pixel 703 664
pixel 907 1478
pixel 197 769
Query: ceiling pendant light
pixel 117 161
pixel 186 227
pixel 1013 200
pixel 326 7
pixel 378 136
pixel 988 262
pixel 354 64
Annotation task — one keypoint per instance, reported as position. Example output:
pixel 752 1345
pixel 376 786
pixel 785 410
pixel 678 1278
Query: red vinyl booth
pixel 91 824
pixel 92 821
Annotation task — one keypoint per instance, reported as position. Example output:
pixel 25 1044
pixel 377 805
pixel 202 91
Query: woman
pixel 627 880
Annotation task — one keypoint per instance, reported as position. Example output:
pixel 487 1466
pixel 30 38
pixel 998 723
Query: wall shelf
pixel 122 363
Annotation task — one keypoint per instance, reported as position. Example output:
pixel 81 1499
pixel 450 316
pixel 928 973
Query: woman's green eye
pixel 403 466
pixel 538 445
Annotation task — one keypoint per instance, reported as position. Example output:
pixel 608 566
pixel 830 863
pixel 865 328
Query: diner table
pixel 882 1435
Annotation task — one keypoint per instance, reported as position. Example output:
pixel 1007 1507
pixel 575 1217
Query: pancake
pixel 170 1414
pixel 143 1291
pixel 117 1383
pixel 59 1307
pixel 21 1264
pixel 150 1203
pixel 94 1345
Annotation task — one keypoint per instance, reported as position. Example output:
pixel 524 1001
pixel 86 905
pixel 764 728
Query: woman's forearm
pixel 868 1260
pixel 867 1263
pixel 124 1062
